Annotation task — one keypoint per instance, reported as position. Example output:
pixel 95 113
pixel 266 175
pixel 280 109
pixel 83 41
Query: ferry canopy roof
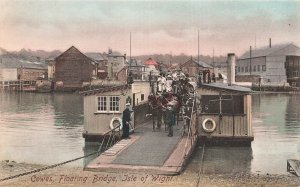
pixel 227 88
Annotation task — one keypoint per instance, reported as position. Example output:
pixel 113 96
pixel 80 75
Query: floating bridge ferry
pixel 208 113
pixel 223 110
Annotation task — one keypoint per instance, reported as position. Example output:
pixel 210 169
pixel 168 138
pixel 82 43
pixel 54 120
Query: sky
pixel 156 27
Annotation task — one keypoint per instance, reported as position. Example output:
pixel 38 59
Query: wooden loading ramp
pixel 147 151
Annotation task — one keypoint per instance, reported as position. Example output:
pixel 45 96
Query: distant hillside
pixel 25 58
pixel 42 55
pixel 168 59
pixel 38 54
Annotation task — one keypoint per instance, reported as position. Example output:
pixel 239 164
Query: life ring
pixel 111 125
pixel 209 129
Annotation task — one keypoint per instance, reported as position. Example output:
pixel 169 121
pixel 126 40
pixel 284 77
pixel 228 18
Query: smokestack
pixel 270 43
pixel 230 69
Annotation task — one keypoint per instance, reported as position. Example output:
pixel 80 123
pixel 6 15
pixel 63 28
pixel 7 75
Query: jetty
pixel 149 151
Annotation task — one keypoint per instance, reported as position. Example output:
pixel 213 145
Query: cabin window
pixel 246 69
pixel 263 67
pixel 210 104
pixel 102 104
pixel 114 103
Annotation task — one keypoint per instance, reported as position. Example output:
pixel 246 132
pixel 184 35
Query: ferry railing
pixel 110 136
pixel 191 135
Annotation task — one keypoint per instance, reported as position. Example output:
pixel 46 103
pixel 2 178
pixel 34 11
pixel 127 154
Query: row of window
pixel 295 74
pixel 256 68
pixel 108 104
pixel 111 103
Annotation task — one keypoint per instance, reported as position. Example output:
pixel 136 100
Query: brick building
pixel 192 67
pixel 72 69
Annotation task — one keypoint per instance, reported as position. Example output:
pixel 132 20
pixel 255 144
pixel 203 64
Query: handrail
pixel 190 133
pixel 112 135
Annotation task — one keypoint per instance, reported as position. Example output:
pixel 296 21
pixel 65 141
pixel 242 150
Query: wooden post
pixel 233 124
pixel 133 106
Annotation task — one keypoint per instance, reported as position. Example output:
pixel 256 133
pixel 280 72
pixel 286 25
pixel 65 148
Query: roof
pixel 222 86
pixel 105 89
pixel 115 53
pixel 96 56
pixel 150 61
pixel 134 62
pixel 267 51
pixel 200 63
pixel 74 49
pixel 13 62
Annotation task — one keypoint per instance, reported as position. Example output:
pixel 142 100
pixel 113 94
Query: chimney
pixel 230 69
pixel 270 43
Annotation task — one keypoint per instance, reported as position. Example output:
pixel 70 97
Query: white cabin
pixel 103 106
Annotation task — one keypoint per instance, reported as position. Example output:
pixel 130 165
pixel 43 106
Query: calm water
pixel 41 128
pixel 276 126
pixel 276 129
pixel 47 129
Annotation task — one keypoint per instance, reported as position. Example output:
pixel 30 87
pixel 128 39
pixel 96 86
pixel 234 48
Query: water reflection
pixel 67 113
pixel 278 115
pixel 227 160
pixel 90 147
pixel 276 131
pixel 40 128
pixel 222 160
pixel 292 116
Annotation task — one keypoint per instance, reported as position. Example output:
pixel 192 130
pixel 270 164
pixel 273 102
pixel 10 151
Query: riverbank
pixel 75 176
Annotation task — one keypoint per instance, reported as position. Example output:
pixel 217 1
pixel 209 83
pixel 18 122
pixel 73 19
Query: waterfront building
pixel 32 73
pixel 151 66
pixel 15 71
pixel 108 64
pixel 277 64
pixel 151 63
pixel 8 74
pixel 115 62
pixel 12 69
pixel 135 68
pixel 101 64
pixel 192 67
pixel 51 68
pixel 72 69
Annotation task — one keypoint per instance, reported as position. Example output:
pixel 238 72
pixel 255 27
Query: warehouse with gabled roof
pixel 278 64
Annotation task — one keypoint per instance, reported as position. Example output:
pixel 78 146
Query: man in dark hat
pixel 126 120
pixel 170 118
